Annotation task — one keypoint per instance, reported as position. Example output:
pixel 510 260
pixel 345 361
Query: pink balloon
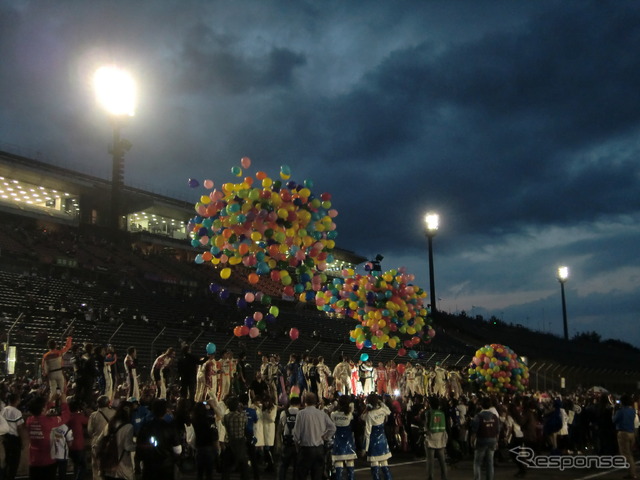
pixel 294 333
pixel 257 316
pixel 208 183
pixel 254 332
pixel 249 297
pixel 245 162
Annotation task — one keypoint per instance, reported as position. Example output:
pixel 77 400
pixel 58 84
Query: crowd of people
pixel 201 414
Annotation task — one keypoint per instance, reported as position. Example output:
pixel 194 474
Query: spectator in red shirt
pixel 77 422
pixel 39 426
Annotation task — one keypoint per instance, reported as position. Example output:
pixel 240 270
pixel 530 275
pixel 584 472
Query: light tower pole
pixel 116 91
pixel 563 275
pixel 432 221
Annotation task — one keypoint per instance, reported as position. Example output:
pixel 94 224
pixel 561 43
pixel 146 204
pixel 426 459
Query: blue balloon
pixel 211 348
pixel 413 354
pixel 193 183
pixel 364 357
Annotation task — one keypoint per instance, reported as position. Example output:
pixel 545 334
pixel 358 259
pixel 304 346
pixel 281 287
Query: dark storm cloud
pixel 516 122
pixel 211 62
pixel 523 105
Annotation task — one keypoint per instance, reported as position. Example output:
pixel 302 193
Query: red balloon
pixel 401 368
pixel 294 333
pixel 402 352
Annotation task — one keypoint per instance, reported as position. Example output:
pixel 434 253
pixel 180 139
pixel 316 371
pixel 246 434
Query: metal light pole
pixel 563 274
pixel 116 91
pixel 432 220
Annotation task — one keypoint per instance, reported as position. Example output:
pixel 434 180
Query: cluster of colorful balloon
pixel 270 226
pixel 386 305
pixel 497 369
pixel 254 323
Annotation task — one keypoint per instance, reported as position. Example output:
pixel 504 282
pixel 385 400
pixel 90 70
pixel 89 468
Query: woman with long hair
pixel 267 424
pixel 343 453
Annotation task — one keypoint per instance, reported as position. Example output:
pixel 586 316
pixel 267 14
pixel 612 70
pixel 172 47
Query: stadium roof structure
pixel 34 188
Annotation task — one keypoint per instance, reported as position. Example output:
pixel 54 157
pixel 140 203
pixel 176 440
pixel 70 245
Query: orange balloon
pixel 253 278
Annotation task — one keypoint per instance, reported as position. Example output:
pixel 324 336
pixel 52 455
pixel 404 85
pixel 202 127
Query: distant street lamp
pixel 563 275
pixel 116 91
pixel 431 221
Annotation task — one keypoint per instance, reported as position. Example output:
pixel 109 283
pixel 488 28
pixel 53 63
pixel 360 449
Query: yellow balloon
pixel 225 273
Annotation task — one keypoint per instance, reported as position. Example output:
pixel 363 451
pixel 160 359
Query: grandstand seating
pixel 129 291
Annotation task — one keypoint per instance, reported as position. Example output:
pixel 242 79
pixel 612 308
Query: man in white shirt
pixel 15 437
pixel 312 429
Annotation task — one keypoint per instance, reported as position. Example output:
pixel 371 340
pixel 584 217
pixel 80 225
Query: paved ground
pixel 410 468
pixel 464 470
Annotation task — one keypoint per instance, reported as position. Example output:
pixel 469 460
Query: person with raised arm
pixel 52 366
pixel 376 446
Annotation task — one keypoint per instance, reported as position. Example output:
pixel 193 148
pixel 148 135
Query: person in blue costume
pixel 343 453
pixel 375 442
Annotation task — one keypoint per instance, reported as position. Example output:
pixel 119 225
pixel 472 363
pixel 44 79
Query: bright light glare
pixel 563 273
pixel 115 90
pixel 432 220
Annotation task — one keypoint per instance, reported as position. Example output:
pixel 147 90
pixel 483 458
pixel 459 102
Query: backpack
pixel 436 421
pixel 287 437
pixel 153 444
pixel 108 453
pixel 489 426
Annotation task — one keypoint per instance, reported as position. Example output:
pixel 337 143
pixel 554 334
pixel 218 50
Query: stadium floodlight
pixel 115 90
pixel 432 221
pixel 563 275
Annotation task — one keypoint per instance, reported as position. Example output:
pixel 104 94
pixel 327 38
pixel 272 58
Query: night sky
pixel 518 122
